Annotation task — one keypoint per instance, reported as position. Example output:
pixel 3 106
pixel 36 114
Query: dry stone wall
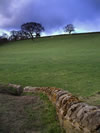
pixel 74 115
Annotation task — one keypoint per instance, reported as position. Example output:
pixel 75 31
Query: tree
pixel 37 35
pixel 18 35
pixel 38 29
pixel 5 35
pixel 21 35
pixel 69 28
pixel 31 28
pixel 3 38
pixel 25 35
pixel 14 35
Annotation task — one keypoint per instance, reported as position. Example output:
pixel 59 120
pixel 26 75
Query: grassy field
pixel 71 62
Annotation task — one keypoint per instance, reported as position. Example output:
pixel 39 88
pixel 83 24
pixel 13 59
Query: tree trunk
pixel 69 32
pixel 32 36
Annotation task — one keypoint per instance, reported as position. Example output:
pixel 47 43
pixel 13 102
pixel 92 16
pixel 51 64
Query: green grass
pixel 70 62
pixel 46 115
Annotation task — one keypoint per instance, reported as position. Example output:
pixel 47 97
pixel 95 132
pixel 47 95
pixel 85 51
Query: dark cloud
pixel 53 14
pixel 5 8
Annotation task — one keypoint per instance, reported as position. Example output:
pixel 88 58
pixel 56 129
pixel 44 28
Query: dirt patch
pixel 15 113
pixel 21 114
pixel 31 113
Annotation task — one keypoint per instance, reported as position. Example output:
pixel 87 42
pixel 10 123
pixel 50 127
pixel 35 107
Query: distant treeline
pixel 29 30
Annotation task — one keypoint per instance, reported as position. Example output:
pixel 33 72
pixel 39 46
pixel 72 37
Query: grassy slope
pixel 70 62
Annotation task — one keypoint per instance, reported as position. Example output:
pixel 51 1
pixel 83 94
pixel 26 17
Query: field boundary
pixel 74 115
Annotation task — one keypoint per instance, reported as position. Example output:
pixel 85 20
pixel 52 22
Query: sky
pixel 52 14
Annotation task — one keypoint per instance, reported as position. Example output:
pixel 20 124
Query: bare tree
pixel 3 38
pixel 69 28
pixel 31 28
pixel 38 29
pixel 22 35
pixel 4 35
pixel 14 35
pixel 18 35
pixel 25 35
